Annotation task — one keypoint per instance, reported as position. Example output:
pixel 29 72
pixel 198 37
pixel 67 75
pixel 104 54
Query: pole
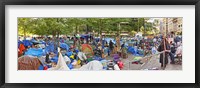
pixel 164 55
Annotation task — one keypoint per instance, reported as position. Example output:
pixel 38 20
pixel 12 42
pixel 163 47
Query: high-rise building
pixel 172 24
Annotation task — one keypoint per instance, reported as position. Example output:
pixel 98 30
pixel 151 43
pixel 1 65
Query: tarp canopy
pixel 35 52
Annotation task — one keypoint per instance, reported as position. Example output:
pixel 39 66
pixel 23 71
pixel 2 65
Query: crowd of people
pixel 81 49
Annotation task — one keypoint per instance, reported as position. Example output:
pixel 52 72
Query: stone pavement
pixel 151 63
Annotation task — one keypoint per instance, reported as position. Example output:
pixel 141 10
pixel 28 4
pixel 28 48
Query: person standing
pixel 164 46
pixel 110 47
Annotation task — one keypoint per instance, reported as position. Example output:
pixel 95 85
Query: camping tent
pixel 28 62
pixel 87 49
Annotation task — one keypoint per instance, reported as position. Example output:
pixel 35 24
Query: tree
pixel 24 26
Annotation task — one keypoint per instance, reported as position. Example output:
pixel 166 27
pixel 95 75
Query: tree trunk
pixel 25 33
pixel 101 31
pixel 87 33
pixel 118 38
pixel 75 35
pixel 54 39
pixel 166 26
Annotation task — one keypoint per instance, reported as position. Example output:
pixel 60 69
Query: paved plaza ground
pixel 147 64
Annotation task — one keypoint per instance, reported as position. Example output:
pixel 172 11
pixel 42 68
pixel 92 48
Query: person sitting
pixel 172 53
pixel 123 45
pixel 82 57
pixel 97 52
pixel 179 52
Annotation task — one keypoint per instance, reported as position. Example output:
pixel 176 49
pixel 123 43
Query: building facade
pixel 171 25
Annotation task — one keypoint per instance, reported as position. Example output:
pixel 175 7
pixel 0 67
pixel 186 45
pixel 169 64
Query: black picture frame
pixel 3 3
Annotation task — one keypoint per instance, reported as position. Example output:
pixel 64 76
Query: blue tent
pixel 131 50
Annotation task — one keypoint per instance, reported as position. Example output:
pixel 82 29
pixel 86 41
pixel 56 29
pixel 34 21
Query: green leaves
pixel 70 26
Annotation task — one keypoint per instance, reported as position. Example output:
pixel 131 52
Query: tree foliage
pixel 70 26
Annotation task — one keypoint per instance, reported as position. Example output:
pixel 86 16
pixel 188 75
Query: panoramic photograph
pixel 99 44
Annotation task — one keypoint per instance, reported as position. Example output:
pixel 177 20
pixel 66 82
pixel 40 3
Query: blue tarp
pixel 41 67
pixel 76 50
pixel 70 66
pixel 135 51
pixel 108 40
pixel 85 36
pixel 131 50
pixel 34 52
pixel 69 54
pixel 64 46
pixel 27 43
pixel 97 58
pixel 54 59
pixel 49 48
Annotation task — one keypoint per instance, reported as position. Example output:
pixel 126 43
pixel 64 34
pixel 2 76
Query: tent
pixel 87 49
pixel 93 65
pixel 27 62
